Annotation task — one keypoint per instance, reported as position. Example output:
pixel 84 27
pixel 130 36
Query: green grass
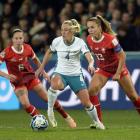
pixel 121 125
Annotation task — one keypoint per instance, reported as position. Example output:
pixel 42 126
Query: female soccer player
pixel 68 69
pixel 22 76
pixel 110 59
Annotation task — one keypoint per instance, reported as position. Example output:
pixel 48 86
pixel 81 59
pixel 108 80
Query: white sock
pixel 52 96
pixel 91 111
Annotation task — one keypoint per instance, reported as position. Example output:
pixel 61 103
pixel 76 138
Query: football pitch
pixel 121 125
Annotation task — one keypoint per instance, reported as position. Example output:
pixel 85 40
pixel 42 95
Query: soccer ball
pixel 39 122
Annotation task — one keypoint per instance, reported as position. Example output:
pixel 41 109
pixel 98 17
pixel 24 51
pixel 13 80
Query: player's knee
pixel 57 86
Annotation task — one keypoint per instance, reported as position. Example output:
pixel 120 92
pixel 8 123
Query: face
pixel 94 29
pixel 18 39
pixel 66 32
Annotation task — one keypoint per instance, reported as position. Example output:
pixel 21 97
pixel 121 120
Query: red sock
pixel 60 109
pixel 137 104
pixel 32 110
pixel 95 101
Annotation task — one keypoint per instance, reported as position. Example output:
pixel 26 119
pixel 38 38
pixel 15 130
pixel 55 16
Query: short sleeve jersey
pixel 17 62
pixel 68 62
pixel 104 50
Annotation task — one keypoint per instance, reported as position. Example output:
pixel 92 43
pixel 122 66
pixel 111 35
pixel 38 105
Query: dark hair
pixel 15 31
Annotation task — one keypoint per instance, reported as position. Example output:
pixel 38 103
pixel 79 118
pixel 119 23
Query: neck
pixel 70 41
pixel 18 47
pixel 98 37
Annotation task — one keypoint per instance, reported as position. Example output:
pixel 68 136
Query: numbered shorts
pixel 110 75
pixel 76 83
pixel 30 85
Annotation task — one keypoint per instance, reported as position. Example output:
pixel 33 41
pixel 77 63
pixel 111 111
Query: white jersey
pixel 68 56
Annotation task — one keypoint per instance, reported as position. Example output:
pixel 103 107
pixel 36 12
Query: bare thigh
pixel 84 97
pixel 41 91
pixel 97 83
pixel 22 94
pixel 128 87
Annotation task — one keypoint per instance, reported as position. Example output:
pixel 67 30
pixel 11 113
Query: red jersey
pixel 18 63
pixel 104 50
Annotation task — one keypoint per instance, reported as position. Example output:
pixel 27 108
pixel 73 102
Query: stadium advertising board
pixel 111 96
pixel 8 100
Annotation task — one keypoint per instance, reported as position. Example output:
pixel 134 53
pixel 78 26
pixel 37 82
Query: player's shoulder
pixel 89 39
pixel 57 39
pixel 8 48
pixel 27 45
pixel 109 37
pixel 112 39
pixel 77 39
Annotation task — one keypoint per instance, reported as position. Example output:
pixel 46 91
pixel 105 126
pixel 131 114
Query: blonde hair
pixel 73 23
pixel 105 25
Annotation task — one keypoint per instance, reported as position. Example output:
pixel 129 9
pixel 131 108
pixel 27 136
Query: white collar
pixel 98 41
pixel 18 52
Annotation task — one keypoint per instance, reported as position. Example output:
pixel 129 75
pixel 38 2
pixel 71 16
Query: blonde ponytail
pixel 106 26
pixel 75 26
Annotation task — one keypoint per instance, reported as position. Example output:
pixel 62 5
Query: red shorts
pixel 110 75
pixel 28 85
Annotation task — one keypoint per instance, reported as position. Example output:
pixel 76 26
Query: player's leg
pixel 127 85
pixel 22 94
pixel 90 109
pixel 98 81
pixel 95 101
pixel 78 85
pixel 39 89
pixel 57 84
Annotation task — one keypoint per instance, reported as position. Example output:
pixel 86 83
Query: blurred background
pixel 41 21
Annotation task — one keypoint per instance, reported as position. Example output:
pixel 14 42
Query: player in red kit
pixel 22 76
pixel 110 59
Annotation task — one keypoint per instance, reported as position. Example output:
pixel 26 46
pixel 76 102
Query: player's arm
pixel 46 58
pixel 121 57
pixel 10 77
pixel 38 64
pixel 90 60
pixel 36 61
pixel 85 50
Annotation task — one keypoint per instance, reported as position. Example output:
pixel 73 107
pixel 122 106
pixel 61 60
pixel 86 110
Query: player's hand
pixel 46 76
pixel 116 77
pixel 91 69
pixel 12 77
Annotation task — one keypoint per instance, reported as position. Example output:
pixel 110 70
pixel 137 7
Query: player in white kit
pixel 68 70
